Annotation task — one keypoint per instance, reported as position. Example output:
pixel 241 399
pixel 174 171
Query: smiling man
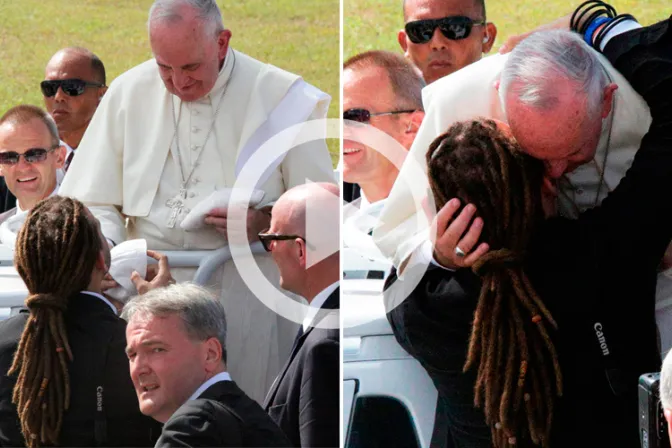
pixel 177 354
pixel 30 154
pixel 443 36
pixel 383 90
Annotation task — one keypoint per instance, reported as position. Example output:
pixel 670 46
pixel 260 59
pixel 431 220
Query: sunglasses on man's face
pixel 453 28
pixel 364 116
pixel 33 155
pixel 266 238
pixel 71 87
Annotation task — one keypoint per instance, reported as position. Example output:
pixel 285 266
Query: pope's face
pixel 189 58
pixel 30 182
pixel 166 365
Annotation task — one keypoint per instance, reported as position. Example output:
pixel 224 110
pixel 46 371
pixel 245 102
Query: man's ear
pixel 491 35
pixel 100 262
pixel 608 99
pixel 223 41
pixel 101 93
pixel 213 354
pixel 61 154
pixel 412 126
pixel 416 120
pixel 301 252
pixel 403 43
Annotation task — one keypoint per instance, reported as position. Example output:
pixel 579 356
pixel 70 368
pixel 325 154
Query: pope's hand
pixel 157 275
pixel 257 220
pixel 451 235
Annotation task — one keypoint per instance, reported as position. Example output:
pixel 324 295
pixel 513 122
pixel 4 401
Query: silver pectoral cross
pixel 176 205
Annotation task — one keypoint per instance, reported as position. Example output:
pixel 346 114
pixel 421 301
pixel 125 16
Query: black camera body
pixel 652 424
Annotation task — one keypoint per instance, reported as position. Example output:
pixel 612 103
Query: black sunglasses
pixel 364 116
pixel 33 155
pixel 266 238
pixel 454 28
pixel 71 87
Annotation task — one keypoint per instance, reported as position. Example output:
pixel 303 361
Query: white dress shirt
pixel 95 294
pixel 222 376
pixel 317 303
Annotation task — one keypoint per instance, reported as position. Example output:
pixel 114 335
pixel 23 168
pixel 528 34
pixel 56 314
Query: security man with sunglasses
pixel 30 155
pixel 443 36
pixel 74 84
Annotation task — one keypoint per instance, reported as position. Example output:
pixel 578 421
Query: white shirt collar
pixel 222 376
pixel 95 294
pixel 18 205
pixel 317 303
pixel 364 202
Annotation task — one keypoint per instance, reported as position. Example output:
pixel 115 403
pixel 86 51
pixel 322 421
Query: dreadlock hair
pixel 518 371
pixel 56 250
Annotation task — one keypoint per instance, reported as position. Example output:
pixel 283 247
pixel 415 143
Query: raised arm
pixel 637 216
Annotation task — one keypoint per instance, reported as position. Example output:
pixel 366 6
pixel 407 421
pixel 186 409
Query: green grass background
pixel 301 37
pixel 373 24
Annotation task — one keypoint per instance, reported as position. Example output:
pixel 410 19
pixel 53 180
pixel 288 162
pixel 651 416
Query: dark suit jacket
pixel 599 268
pixel 7 199
pixel 98 340
pixel 222 416
pixel 351 191
pixel 304 400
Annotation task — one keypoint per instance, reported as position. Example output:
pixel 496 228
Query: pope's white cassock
pixel 470 93
pixel 127 170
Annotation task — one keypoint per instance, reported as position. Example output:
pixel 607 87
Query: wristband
pixel 595 24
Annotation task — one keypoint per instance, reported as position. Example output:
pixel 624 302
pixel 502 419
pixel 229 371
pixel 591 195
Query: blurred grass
pixel 301 37
pixel 373 24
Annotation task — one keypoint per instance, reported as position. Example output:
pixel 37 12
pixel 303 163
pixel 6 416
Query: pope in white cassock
pixel 174 129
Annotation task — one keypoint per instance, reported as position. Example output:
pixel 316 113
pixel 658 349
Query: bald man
pixel 304 399
pixel 73 86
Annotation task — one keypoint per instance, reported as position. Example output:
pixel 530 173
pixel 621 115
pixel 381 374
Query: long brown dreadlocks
pixel 518 371
pixel 56 251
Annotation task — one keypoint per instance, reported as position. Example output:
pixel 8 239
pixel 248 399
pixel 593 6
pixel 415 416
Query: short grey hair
pixel 169 11
pixel 666 381
pixel 202 314
pixel 538 61
pixel 23 113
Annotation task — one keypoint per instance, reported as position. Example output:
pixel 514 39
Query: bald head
pixel 76 57
pixel 308 216
pixel 321 198
pixel 73 111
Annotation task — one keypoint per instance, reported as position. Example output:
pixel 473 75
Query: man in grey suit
pixel 30 154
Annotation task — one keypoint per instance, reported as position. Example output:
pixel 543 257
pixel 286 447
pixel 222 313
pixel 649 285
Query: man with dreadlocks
pixel 64 376
pixel 524 352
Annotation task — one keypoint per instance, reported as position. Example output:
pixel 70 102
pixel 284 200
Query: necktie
pixel 298 336
pixel 69 160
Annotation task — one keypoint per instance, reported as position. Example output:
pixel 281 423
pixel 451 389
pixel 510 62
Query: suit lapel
pixel 332 303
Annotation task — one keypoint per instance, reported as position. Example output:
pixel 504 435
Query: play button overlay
pixel 322 230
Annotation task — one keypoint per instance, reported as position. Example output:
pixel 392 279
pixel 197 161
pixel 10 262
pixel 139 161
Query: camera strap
pixel 100 418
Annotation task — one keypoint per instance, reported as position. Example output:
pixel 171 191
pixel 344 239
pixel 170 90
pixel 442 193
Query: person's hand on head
pixel 257 220
pixel 157 275
pixel 454 243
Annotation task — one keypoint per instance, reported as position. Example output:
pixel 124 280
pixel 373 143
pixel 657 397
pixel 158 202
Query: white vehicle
pixel 388 398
